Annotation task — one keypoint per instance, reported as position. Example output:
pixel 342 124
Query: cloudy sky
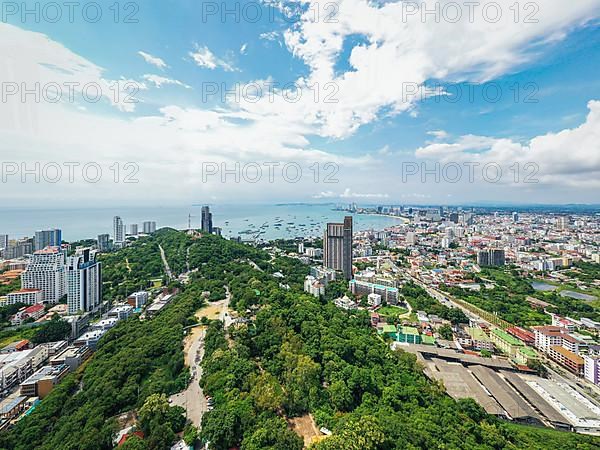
pixel 180 102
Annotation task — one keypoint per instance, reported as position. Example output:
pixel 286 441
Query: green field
pixel 391 311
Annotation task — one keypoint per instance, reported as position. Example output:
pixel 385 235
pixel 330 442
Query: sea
pixel 274 221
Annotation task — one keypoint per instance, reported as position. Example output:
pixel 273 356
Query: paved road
pixel 193 399
pixel 166 264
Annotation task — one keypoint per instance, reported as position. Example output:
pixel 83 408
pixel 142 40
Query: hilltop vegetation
pixel 301 355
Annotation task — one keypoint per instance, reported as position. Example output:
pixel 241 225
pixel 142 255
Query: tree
pixel 55 330
pixel 445 332
pixel 266 392
pixel 133 442
pixel 340 395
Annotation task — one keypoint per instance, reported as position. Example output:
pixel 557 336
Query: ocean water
pixel 87 223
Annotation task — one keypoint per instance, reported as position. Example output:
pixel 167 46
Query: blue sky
pixel 366 53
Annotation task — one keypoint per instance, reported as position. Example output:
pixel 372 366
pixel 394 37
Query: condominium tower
pixel 337 247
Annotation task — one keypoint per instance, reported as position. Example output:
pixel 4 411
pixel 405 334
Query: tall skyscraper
pixel 337 246
pixel 491 257
pixel 118 231
pixel 3 241
pixel 149 227
pixel 133 229
pixel 103 242
pixel 47 238
pixel 84 282
pixel 46 271
pixel 207 225
pixel 515 217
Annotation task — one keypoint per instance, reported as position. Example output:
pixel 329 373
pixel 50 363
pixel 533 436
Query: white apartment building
pixel 26 296
pixel 547 336
pixel 591 370
pixel 374 299
pixel 313 286
pixel 118 230
pixel 47 273
pixel 84 282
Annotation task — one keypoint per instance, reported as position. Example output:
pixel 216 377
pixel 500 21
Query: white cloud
pixel 570 157
pixel 349 194
pixel 394 53
pixel 269 36
pixel 438 134
pixel 159 81
pixel 203 57
pixel 155 61
pixel 34 62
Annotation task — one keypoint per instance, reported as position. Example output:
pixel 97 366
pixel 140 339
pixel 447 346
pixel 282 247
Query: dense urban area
pixel 466 328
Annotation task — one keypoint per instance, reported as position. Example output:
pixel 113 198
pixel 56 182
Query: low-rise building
pixel 89 339
pixel 345 303
pixel 33 312
pixel 121 312
pixel 479 339
pixel 524 355
pixel 12 407
pixel 25 296
pixel 71 357
pixel 41 383
pixel 505 342
pixel 387 293
pixel 374 300
pixel 313 286
pixel 566 358
pixel 138 299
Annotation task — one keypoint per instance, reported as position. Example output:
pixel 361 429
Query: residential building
pixel 491 257
pixel 323 273
pixel 374 299
pixel 133 229
pixel 47 273
pixel 547 336
pixel 84 282
pixel 138 299
pixel 505 342
pixel 121 312
pixel 591 370
pixel 12 407
pixel 313 286
pixel 47 238
pixel 206 220
pixel 389 294
pixel 18 249
pixel 566 358
pixel 25 296
pixel 89 339
pixel 345 303
pixel 479 339
pixel 103 242
pixel 337 245
pixel 149 227
pixel 31 312
pixel 409 335
pixel 72 357
pixel 3 241
pixel 41 383
pixel 118 231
